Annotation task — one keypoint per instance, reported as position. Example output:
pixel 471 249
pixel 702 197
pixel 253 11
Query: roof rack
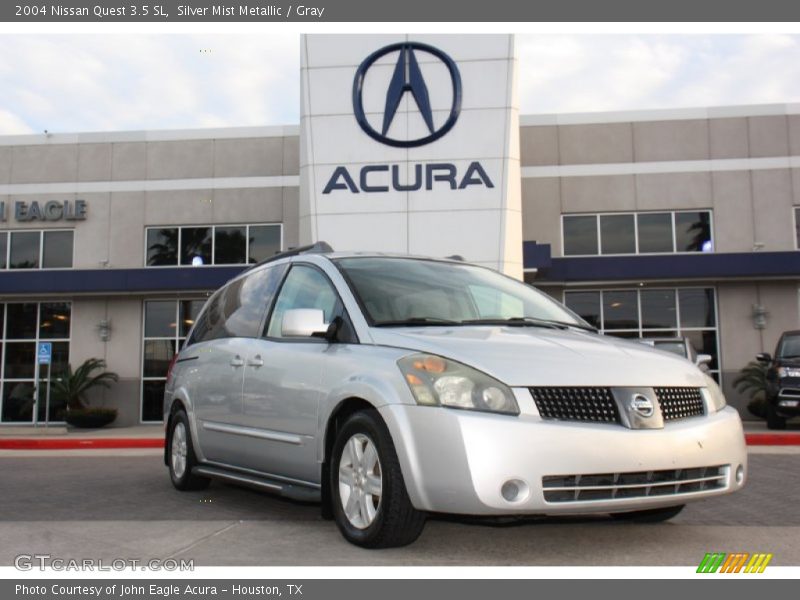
pixel 317 248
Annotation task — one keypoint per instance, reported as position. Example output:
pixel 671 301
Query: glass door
pixel 23 325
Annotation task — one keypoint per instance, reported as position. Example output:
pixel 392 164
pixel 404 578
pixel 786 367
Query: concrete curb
pixel 79 444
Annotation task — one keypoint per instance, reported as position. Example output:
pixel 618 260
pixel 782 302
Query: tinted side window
pixel 248 299
pixel 204 325
pixel 237 309
pixel 305 287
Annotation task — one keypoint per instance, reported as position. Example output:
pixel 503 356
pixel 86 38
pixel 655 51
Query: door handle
pixel 256 361
pixel 237 361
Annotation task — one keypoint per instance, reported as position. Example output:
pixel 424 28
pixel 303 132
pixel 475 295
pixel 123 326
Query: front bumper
pixel 457 461
pixel 787 401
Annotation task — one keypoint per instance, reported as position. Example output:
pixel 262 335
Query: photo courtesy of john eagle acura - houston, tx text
pixel 387 384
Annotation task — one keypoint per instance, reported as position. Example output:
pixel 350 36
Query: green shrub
pixel 752 380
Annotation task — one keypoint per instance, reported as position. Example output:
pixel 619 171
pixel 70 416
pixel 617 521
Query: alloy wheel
pixel 360 481
pixel 179 450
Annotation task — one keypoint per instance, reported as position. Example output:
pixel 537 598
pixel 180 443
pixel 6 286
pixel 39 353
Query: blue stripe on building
pixel 89 281
pixel 587 269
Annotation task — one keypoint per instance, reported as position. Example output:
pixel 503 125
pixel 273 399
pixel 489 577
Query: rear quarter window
pixel 237 309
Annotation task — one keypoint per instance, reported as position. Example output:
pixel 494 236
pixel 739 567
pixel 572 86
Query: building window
pixel 162 247
pixel 580 234
pixel 653 312
pixel 48 249
pixel 196 246
pixel 617 234
pixel 655 232
pixel 637 233
pixel 211 244
pixel 230 245
pixel 22 326
pixel 166 325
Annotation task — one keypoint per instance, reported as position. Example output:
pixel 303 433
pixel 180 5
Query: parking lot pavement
pixel 120 505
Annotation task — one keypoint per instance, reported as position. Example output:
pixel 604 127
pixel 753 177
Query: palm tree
pixel 702 233
pixel 71 386
pixel 163 249
pixel 195 241
pixel 752 380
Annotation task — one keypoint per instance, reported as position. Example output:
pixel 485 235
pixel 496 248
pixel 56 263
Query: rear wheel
pixel 181 455
pixel 774 420
pixel 652 515
pixel 368 495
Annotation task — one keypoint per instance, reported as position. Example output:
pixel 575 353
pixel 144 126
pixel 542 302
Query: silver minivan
pixel 391 387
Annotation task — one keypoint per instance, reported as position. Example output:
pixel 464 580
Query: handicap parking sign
pixel 45 352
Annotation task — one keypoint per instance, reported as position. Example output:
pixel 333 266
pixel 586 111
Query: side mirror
pixel 764 357
pixel 304 322
pixel 703 359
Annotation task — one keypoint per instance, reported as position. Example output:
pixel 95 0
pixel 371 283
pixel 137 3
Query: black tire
pixel 185 480
pixel 396 522
pixel 774 420
pixel 652 515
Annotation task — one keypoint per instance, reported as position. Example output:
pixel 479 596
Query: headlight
pixel 714 395
pixel 437 381
pixel 788 372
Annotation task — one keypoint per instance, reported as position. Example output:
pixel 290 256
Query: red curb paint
pixel 79 444
pixel 772 439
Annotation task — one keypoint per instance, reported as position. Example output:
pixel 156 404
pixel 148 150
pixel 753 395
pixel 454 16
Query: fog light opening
pixel 515 490
pixel 740 474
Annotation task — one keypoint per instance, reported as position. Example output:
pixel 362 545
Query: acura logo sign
pixel 407 77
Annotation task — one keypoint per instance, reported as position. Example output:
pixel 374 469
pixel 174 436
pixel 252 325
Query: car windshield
pixel 407 291
pixel 790 347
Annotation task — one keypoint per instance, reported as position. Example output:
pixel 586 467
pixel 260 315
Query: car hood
pixel 534 356
pixel 787 362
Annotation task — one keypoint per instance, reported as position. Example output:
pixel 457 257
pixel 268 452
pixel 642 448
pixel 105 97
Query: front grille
pixel 679 402
pixel 640 484
pixel 593 404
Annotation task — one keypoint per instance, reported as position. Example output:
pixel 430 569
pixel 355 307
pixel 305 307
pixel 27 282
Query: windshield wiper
pixel 511 321
pixel 530 322
pixel 417 321
pixel 515 322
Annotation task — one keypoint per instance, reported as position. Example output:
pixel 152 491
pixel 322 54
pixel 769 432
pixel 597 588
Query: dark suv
pixel 783 380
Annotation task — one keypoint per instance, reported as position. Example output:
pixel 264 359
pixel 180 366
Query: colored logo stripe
pixel 711 562
pixel 736 562
pixel 758 563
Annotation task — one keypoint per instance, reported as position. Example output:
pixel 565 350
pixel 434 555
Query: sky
pixel 68 83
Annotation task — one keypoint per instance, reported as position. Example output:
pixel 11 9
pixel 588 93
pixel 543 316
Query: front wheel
pixel 368 495
pixel 653 515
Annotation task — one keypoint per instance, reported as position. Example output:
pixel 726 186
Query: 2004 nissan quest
pixel 388 387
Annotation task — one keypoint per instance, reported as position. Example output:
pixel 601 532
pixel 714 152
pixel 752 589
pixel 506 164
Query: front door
pixel 283 381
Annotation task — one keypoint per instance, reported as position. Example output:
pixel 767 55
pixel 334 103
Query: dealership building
pixel 648 224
